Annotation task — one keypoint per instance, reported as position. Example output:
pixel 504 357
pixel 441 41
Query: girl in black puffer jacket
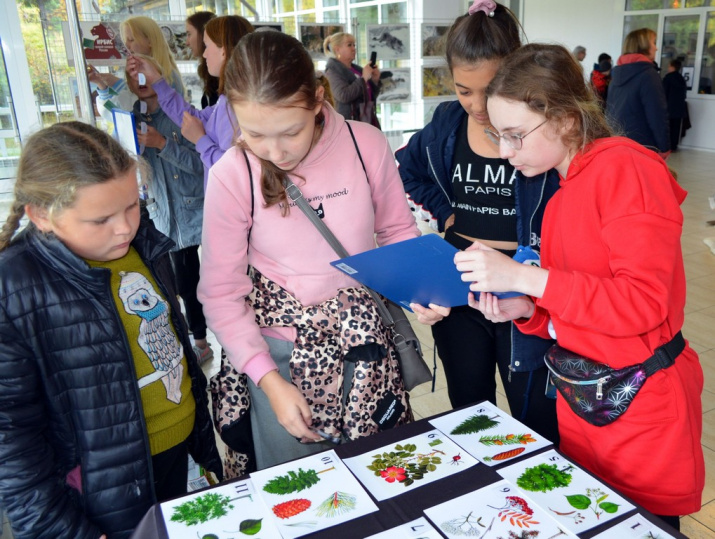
pixel 102 399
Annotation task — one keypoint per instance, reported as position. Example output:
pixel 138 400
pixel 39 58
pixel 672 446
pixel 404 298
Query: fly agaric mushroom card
pixel 398 468
pixel 490 434
pixel 311 494
pixel 497 510
pixel 576 499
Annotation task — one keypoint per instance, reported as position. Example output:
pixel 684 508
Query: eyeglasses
pixel 513 141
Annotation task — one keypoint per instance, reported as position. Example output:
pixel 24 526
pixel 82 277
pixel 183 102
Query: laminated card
pixel 398 468
pixel 417 529
pixel 311 494
pixel 231 510
pixel 576 499
pixel 497 510
pixel 490 434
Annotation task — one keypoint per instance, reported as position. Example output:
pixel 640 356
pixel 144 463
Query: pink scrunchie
pixel 487 6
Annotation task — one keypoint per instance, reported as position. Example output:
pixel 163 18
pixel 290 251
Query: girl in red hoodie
pixel 612 284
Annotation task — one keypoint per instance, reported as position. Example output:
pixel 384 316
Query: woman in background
pixel 636 99
pixel 354 88
pixel 195 38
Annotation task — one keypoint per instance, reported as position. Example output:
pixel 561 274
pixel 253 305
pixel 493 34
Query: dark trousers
pixel 186 272
pixel 472 348
pixel 676 125
pixel 171 472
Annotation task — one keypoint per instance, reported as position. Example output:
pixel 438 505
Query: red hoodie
pixel 615 292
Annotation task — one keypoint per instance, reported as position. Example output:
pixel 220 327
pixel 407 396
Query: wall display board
pixel 433 39
pixel 312 36
pixel 390 41
pixel 395 86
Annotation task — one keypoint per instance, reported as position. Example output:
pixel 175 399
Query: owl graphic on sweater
pixel 156 337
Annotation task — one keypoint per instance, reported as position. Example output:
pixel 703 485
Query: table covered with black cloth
pixel 404 507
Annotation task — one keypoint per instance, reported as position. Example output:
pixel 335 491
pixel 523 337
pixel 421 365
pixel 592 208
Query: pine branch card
pixel 417 529
pixel 225 512
pixel 311 494
pixel 568 493
pixel 489 434
pixel 635 527
pixel 497 510
pixel 395 469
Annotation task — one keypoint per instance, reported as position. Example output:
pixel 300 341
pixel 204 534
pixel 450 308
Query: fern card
pixel 569 494
pixel 489 434
pixel 223 512
pixel 417 529
pixel 394 469
pixel 311 494
pixel 635 527
pixel 497 510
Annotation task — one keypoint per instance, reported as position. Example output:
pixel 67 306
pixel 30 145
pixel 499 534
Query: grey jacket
pixel 177 183
pixel 348 90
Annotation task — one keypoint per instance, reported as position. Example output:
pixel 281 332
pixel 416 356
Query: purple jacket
pixel 219 123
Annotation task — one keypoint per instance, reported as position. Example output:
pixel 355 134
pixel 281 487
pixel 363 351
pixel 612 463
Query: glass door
pixel 9 136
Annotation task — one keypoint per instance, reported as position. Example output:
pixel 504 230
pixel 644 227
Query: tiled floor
pixel 696 170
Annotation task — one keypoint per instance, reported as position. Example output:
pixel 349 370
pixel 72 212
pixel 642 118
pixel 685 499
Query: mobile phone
pixel 373 58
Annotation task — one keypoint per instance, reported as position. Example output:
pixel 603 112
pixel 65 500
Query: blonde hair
pixel 335 40
pixel 638 41
pixel 149 29
pixel 59 160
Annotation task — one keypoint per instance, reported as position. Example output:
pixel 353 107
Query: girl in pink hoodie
pixel 309 338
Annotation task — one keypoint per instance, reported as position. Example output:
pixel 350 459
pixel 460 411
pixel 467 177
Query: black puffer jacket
pixel 69 395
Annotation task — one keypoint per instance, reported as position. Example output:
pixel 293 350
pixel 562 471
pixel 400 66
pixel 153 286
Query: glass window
pixel 699 3
pixel 634 22
pixel 637 5
pixel 394 12
pixel 707 66
pixel 680 39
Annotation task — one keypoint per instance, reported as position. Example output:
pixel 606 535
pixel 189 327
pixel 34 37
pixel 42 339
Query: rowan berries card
pixel 398 468
pixel 223 512
pixel 311 494
pixel 577 500
pixel 489 434
pixel 497 510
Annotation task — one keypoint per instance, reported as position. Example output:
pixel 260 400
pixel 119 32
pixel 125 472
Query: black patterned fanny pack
pixel 598 393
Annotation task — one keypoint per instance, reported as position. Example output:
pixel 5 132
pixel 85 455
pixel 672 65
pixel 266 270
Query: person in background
pixel 214 129
pixel 102 400
pixel 601 78
pixel 141 35
pixel 452 171
pixel 676 90
pixel 269 292
pixel 636 99
pixel 195 39
pixel 176 192
pixel 355 88
pixel 579 53
pixel 611 286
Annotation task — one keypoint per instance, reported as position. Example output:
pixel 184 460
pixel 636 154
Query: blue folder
pixel 420 270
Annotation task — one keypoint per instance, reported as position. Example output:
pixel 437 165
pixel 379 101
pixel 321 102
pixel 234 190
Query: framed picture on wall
pixel 395 86
pixel 390 41
pixel 312 35
pixel 433 39
pixel 437 82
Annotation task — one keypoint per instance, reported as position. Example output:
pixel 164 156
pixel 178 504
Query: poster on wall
pixel 437 82
pixel 434 37
pixel 395 86
pixel 313 35
pixel 103 45
pixel 390 41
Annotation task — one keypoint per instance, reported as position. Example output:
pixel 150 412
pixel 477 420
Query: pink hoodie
pixel 290 250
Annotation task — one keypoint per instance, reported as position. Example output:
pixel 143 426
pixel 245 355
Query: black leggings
pixel 186 272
